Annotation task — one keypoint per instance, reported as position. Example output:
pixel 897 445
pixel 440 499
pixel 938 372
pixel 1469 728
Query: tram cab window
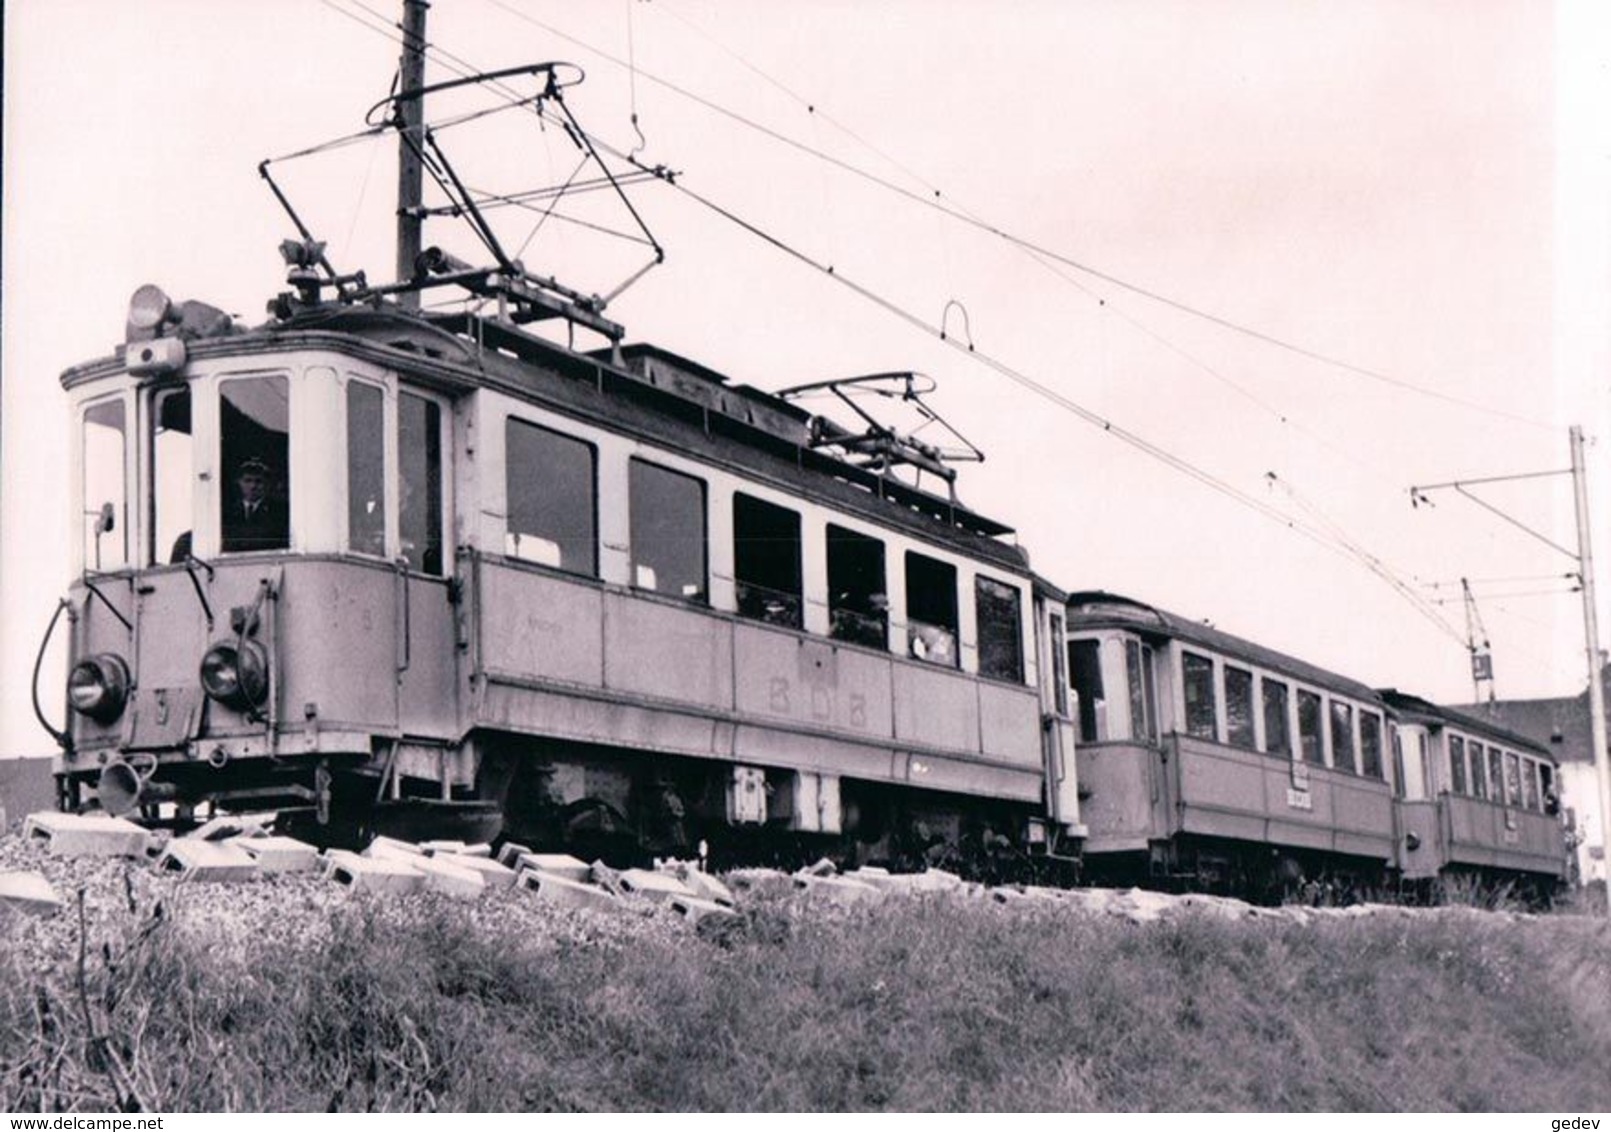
pixel 1277 731
pixel 766 562
pixel 552 498
pixel 1342 737
pixel 172 476
pixel 1310 744
pixel 1202 708
pixel 858 599
pixel 366 468
pixel 105 504
pixel 1143 694
pixel 667 515
pixel 1370 744
pixel 1085 663
pixel 1001 638
pixel 1457 764
pixel 1513 793
pixel 419 482
pixel 1239 708
pixel 931 610
pixel 1479 770
pixel 254 451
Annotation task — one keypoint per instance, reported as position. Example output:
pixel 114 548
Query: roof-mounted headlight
pixel 235 673
pixel 98 687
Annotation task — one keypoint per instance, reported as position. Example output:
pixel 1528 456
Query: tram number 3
pixel 819 702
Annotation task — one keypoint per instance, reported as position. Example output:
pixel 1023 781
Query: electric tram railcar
pixel 584 599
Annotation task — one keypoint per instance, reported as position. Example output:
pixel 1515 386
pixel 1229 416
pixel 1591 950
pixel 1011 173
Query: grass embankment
pixel 940 1003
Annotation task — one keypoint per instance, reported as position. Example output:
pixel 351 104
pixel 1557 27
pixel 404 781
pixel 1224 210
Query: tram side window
pixel 1001 639
pixel 1370 744
pixel 1496 775
pixel 254 448
pixel 551 482
pixel 1143 709
pixel 1513 793
pixel 366 468
pixel 858 597
pixel 106 501
pixel 1239 708
pixel 1059 666
pixel 172 476
pixel 766 562
pixel 1202 710
pixel 1084 658
pixel 1479 770
pixel 1530 784
pixel 931 610
pixel 1546 783
pixel 419 482
pixel 1457 764
pixel 1310 744
pixel 1277 734
pixel 1342 737
pixel 667 516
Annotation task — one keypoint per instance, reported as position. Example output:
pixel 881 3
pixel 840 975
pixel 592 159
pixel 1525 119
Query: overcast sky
pixel 1421 191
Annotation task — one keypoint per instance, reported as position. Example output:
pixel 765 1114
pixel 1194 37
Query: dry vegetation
pixel 308 998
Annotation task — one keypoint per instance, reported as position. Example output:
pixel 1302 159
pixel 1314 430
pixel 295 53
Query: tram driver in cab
pixel 254 518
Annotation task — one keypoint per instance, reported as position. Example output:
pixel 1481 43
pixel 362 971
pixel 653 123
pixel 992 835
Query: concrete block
pixel 511 853
pixel 278 854
pixel 30 893
pixel 370 874
pixel 492 874
pixel 760 880
pixel 454 849
pixel 210 862
pixel 391 849
pixel 557 864
pixel 565 892
pixel 86 835
pixel 651 885
pixel 442 875
pixel 227 826
pixel 693 909
pixel 839 890
pixel 707 887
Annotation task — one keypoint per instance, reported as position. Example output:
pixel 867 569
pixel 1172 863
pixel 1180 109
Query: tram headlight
pixel 98 686
pixel 236 674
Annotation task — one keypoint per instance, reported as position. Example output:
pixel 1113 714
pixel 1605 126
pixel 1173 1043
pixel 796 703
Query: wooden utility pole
pixel 410 140
pixel 1591 632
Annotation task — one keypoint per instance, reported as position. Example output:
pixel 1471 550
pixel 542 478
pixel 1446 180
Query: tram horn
pixel 123 788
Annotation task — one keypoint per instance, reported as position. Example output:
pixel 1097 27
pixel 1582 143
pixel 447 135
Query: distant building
pixel 1563 724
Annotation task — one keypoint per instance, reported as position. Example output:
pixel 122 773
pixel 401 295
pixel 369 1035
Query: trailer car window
pixel 1277 731
pixel 1000 620
pixel 1342 737
pixel 1059 666
pixel 1202 709
pixel 552 498
pixel 105 509
pixel 668 531
pixel 1138 690
pixel 1513 793
pixel 1370 744
pixel 366 468
pixel 1310 744
pixel 172 476
pixel 1239 729
pixel 931 610
pixel 766 562
pixel 1530 784
pixel 1457 764
pixel 255 447
pixel 1496 775
pixel 1085 661
pixel 858 594
pixel 419 482
pixel 1479 770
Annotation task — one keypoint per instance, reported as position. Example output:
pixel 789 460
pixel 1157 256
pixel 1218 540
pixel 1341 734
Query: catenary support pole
pixel 1591 632
pixel 410 195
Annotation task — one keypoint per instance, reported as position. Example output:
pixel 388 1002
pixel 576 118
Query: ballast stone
pixel 211 862
pixel 86 835
pixel 30 893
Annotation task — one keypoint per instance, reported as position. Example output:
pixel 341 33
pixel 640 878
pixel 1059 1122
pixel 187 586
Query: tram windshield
pixel 254 446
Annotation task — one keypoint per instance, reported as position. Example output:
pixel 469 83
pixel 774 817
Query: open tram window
pixel 552 498
pixel 1457 764
pixel 1310 744
pixel 858 600
pixel 1370 744
pixel 1342 737
pixel 366 468
pixel 931 610
pixel 1202 708
pixel 1143 703
pixel 419 482
pixel 106 501
pixel 1513 789
pixel 667 515
pixel 1277 731
pixel 254 449
pixel 1239 730
pixel 1001 638
pixel 766 562
pixel 172 476
pixel 1479 770
pixel 1085 663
